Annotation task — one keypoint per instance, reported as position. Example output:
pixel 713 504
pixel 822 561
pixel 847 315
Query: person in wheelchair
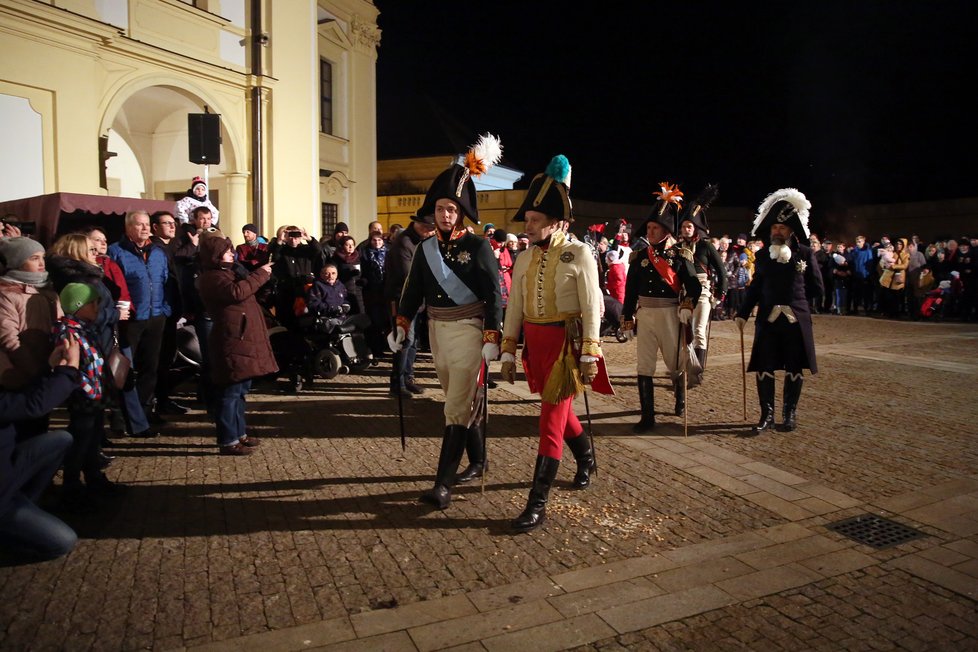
pixel 329 303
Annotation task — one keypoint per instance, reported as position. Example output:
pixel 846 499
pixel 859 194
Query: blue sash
pixel 449 281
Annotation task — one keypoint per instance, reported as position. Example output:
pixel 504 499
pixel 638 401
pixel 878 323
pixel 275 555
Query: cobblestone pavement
pixel 700 542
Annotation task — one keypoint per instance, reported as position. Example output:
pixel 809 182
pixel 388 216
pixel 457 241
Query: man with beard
pixel 556 302
pixel 709 267
pixel 660 291
pixel 456 276
pixel 786 275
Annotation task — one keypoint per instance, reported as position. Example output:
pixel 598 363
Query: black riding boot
pixel 646 397
pixel 792 393
pixel 452 447
pixel 701 356
pixel 765 395
pixel 536 506
pixel 680 386
pixel 475 448
pixel 581 448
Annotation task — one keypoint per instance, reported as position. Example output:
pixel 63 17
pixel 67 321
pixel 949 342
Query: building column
pixel 235 214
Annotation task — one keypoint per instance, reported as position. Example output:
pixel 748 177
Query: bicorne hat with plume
pixel 666 210
pixel 549 192
pixel 786 206
pixel 456 183
pixel 695 211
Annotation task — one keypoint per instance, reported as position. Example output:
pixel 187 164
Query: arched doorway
pixel 149 135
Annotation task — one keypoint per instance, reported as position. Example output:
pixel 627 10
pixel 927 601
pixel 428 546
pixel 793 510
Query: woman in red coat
pixel 615 283
pixel 239 346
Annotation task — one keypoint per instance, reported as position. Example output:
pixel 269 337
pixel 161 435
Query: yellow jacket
pixel 555 285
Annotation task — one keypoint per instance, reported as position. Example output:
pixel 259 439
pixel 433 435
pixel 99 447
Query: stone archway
pixel 149 114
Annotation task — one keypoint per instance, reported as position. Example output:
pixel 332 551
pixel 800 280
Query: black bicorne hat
pixel 549 192
pixel 695 211
pixel 666 209
pixel 786 206
pixel 456 183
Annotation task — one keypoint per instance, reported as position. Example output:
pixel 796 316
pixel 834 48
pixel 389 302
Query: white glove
pixel 740 321
pixel 395 339
pixel 588 366
pixel 490 351
pixel 181 322
pixel 685 315
pixel 508 372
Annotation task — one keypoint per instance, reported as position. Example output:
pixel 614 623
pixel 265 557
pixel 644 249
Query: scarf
pixel 349 259
pixel 37 279
pixel 91 363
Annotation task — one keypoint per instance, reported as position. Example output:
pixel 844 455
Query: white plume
pixel 791 195
pixel 488 149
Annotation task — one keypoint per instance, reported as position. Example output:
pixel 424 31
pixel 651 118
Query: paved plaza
pixel 707 541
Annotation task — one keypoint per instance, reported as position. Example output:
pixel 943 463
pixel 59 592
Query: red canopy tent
pixel 63 212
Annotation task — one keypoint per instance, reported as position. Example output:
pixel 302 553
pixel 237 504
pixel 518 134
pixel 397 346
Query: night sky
pixel 851 102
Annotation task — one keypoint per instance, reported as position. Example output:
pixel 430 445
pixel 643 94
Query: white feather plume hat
pixel 456 183
pixel 787 206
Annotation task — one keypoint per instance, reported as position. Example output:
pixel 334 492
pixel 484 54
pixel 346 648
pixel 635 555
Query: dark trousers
pixel 229 412
pixel 86 423
pixel 404 359
pixel 26 529
pixel 168 351
pixel 145 337
pixel 203 326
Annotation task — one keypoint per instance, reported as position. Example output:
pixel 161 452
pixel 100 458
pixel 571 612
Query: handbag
pixel 117 364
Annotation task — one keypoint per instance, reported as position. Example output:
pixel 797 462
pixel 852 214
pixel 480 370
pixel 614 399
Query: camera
pixel 26 228
pixel 293 234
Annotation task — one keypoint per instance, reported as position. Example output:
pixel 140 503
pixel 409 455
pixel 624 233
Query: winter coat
pixel 898 279
pixel 36 402
pixel 239 344
pixel 146 275
pixel 615 284
pixel 27 315
pixel 326 299
pixel 350 274
pixel 63 270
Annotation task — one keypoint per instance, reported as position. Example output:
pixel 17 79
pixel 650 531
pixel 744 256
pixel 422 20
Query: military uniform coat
pixel 785 284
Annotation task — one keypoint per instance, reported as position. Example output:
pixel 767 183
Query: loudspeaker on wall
pixel 204 131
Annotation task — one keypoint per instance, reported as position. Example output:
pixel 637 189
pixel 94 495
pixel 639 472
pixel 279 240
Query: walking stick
pixel 590 433
pixel 686 408
pixel 485 425
pixel 397 377
pixel 743 371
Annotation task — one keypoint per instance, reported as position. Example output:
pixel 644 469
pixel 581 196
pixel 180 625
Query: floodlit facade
pixel 294 83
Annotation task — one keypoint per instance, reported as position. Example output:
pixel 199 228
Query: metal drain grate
pixel 875 531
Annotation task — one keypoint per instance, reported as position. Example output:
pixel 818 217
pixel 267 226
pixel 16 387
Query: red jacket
pixel 615 283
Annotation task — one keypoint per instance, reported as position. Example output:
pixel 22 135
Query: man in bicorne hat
pixel 661 289
pixel 709 267
pixel 456 276
pixel 556 300
pixel 786 276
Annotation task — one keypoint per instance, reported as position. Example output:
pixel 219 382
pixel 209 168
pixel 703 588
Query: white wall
pixel 21 159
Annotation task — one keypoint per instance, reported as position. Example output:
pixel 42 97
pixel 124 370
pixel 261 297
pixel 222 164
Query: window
pixel 331 214
pixel 325 96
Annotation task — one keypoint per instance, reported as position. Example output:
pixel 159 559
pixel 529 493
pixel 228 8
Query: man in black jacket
pixel 26 468
pixel 456 276
pixel 785 277
pixel 397 265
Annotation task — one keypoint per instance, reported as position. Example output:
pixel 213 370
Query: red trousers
pixel 541 347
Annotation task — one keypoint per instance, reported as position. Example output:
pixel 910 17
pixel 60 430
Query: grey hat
pixel 16 251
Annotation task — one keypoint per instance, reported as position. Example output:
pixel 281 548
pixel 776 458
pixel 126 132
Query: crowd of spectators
pixel 897 279
pixel 61 311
